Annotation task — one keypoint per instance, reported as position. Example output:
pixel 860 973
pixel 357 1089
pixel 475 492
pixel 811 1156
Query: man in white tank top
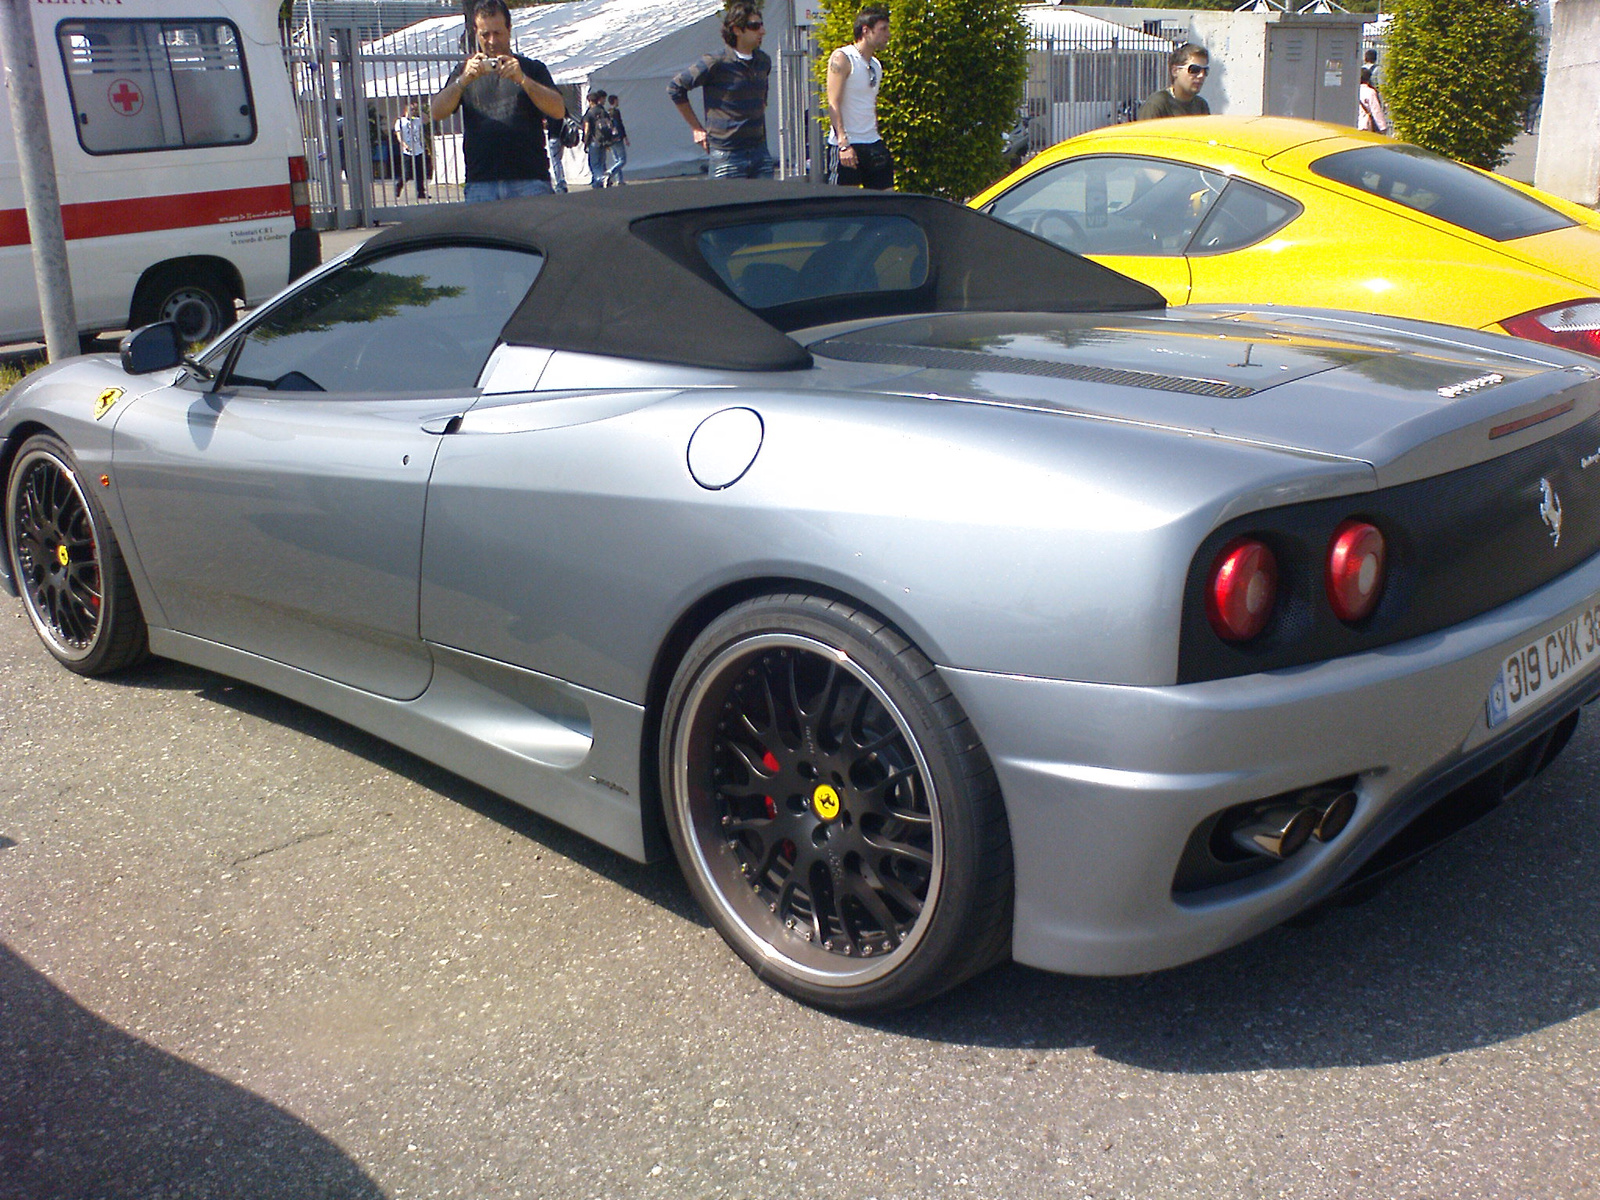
pixel 857 156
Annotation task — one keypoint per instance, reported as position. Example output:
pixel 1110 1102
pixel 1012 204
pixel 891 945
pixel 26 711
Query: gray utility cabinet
pixel 1313 70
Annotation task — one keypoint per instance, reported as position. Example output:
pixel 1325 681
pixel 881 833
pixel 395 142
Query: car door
pixel 280 508
pixel 1133 213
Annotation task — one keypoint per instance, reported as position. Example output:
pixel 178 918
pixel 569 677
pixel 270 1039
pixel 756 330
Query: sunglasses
pixel 754 25
pixel 1196 69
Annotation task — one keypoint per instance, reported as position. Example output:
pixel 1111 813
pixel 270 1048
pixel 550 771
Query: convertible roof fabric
pixel 623 275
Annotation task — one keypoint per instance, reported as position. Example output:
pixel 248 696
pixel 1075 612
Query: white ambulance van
pixel 179 162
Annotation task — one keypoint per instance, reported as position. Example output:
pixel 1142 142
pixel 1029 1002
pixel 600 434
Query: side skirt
pixel 564 751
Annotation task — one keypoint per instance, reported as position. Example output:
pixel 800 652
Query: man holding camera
pixel 501 96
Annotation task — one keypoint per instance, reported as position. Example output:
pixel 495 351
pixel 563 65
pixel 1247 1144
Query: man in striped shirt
pixel 734 86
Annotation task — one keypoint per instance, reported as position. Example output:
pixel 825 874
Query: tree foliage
pixel 953 81
pixel 1355 6
pixel 1459 74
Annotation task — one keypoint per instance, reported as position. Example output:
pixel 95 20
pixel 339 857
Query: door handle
pixel 442 425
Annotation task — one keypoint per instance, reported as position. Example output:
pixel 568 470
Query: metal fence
pixel 1078 82
pixel 348 100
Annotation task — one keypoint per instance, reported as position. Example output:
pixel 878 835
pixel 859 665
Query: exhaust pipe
pixel 1335 815
pixel 1277 832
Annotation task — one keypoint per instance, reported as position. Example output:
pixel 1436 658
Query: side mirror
pixel 149 348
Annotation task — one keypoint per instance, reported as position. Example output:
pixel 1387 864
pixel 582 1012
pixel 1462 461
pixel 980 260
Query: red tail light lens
pixel 1574 326
pixel 300 191
pixel 1242 590
pixel 1355 571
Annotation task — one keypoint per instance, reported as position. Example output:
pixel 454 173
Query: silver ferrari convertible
pixel 933 594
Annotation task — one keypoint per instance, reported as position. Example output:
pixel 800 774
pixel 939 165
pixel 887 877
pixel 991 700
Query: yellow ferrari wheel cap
pixel 825 802
pixel 62 556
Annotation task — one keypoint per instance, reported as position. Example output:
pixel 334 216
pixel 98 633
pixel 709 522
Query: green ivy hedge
pixel 1459 74
pixel 953 80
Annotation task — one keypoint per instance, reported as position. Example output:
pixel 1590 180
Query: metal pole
pixel 38 168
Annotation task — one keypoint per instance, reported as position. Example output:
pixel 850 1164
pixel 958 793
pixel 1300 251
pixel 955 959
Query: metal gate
pixel 348 101
pixel 1080 82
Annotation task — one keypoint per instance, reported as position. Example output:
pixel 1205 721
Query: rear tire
pixel 832 808
pixel 194 298
pixel 74 584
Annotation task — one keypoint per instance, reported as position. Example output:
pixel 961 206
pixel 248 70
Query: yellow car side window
pixel 1113 204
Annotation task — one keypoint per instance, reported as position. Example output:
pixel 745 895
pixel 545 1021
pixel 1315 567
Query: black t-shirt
pixel 502 130
pixel 1165 104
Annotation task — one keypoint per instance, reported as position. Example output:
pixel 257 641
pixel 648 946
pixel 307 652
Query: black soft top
pixel 623 274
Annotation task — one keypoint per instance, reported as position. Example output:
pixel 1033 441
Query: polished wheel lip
pixel 34 604
pixel 841 971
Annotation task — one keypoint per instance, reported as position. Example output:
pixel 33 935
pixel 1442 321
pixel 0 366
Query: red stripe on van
pixel 146 214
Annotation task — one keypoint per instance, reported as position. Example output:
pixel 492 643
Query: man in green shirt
pixel 1188 67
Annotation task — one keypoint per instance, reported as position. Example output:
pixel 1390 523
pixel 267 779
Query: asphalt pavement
pixel 247 951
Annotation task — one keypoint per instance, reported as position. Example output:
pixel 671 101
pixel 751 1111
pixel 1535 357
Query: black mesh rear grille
pixel 976 360
pixel 1460 544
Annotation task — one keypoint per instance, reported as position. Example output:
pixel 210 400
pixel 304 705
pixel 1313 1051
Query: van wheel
pixel 195 299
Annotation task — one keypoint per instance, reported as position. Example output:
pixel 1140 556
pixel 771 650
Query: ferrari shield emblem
pixel 104 401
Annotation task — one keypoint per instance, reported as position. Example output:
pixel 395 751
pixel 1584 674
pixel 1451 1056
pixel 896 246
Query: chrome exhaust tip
pixel 1335 815
pixel 1277 832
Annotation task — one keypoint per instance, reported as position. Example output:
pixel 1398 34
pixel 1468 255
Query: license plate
pixel 1545 665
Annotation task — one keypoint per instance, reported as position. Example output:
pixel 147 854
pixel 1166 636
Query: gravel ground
pixel 246 951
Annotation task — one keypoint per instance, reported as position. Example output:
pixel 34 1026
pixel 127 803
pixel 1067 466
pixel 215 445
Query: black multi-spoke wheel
pixel 65 560
pixel 831 808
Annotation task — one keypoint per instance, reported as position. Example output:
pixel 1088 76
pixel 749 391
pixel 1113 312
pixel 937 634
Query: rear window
pixel 156 85
pixel 1418 179
pixel 767 264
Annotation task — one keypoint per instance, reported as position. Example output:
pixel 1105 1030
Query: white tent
pixel 628 47
pixel 1070 27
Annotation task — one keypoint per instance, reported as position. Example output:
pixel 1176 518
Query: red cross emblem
pixel 125 97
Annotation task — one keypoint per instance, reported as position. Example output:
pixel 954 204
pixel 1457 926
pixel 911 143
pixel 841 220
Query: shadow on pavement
pixel 88 1110
pixel 657 882
pixel 1494 936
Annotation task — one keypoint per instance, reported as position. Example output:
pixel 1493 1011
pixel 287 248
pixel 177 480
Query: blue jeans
pixel 619 159
pixel 506 189
pixel 754 163
pixel 597 165
pixel 558 172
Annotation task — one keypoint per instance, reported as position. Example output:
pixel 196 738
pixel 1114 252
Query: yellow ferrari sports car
pixel 1270 210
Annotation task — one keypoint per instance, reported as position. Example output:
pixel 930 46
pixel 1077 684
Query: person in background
pixel 501 96
pixel 1188 68
pixel 734 83
pixel 597 135
pixel 619 146
pixel 1369 106
pixel 1369 60
pixel 413 153
pixel 856 153
pixel 554 150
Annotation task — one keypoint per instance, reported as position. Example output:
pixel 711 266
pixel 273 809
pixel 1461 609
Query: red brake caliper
pixel 770 762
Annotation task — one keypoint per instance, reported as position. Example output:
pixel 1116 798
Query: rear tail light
pixel 1355 570
pixel 1242 589
pixel 1574 326
pixel 300 191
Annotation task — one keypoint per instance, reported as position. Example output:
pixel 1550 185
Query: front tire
pixel 68 568
pixel 832 808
